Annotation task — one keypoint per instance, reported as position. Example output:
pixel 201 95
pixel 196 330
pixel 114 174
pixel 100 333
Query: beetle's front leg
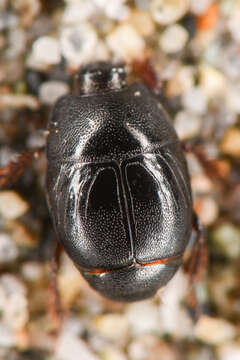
pixel 144 70
pixel 10 173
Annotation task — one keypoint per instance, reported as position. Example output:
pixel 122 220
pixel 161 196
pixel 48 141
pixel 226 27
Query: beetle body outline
pixel 118 185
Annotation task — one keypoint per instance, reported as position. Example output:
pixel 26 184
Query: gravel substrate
pixel 194 46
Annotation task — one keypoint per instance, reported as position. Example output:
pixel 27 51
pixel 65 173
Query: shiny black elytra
pixel 118 186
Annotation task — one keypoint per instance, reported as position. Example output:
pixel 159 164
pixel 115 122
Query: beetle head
pixel 133 283
pixel 100 76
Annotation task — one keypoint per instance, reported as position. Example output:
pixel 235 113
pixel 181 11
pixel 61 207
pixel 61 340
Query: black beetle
pixel 118 185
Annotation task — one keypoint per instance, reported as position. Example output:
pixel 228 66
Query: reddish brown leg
pixel 11 172
pixel 55 309
pixel 144 70
pixel 197 264
pixel 214 168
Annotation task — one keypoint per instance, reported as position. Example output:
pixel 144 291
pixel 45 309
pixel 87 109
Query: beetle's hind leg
pixel 197 263
pixel 10 173
pixel 55 307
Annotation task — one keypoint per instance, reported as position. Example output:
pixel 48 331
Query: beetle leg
pixel 55 308
pixel 213 167
pixel 10 173
pixel 144 70
pixel 197 264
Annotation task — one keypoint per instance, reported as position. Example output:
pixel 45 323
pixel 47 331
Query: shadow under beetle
pixel 117 184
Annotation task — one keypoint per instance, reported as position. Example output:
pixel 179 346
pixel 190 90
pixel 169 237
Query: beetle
pixel 117 183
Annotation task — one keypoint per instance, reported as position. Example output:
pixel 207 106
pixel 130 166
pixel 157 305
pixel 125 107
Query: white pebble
pixel 187 124
pixel 16 43
pixel 45 51
pixel 114 9
pixel 166 12
pixel 125 42
pixel 229 351
pixel 12 205
pixel 8 249
pixel 137 350
pixel 76 12
pixel 213 331
pixel 50 91
pixel 212 54
pixel 195 100
pixel 7 336
pixel 143 318
pixel 78 43
pixel 13 302
pixel 230 61
pixel 232 98
pixel 199 7
pixel 170 311
pixel 233 26
pixel 70 346
pixel 32 271
pixel 173 39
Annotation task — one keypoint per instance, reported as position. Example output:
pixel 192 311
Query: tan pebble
pixel 181 81
pixel 18 101
pixel 207 209
pixel 112 353
pixel 69 282
pixel 126 43
pixel 214 331
pixel 142 22
pixel 220 284
pixel 112 326
pixel 211 80
pixel 21 234
pixel 230 144
pixel 226 240
pixel 27 9
pixel 12 205
pixel 201 183
pixel 22 339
